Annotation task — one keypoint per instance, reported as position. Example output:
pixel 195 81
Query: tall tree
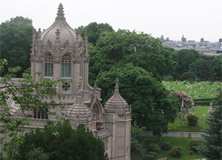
pixel 212 146
pixel 94 31
pixel 60 141
pixel 123 46
pixel 204 70
pixel 216 64
pixel 184 58
pixel 15 42
pixel 152 105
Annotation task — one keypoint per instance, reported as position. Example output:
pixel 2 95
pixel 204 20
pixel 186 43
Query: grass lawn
pixel 201 112
pixel 182 143
pixel 175 142
pixel 197 90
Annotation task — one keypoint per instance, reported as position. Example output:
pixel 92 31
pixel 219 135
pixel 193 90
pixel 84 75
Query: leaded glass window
pixel 66 66
pixel 48 65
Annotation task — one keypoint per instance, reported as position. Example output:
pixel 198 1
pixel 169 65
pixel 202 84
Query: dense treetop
pixel 15 42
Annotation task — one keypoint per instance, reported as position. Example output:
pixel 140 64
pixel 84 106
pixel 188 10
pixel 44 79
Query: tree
pixel 60 141
pixel 136 146
pixel 37 154
pixel 212 148
pixel 15 42
pixel 152 105
pixel 204 70
pixel 26 95
pixel 124 47
pixel 187 76
pixel 192 68
pixel 184 58
pixel 216 65
pixel 94 31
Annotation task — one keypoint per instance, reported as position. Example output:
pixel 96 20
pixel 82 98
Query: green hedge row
pixel 207 99
pixel 203 102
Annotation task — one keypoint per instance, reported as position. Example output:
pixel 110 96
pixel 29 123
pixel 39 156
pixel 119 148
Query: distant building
pixel 203 47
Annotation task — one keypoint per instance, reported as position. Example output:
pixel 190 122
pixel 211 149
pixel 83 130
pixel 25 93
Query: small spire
pixel 86 35
pixel 116 86
pixel 60 13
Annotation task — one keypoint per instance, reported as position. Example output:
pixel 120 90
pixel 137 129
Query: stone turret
pixel 118 120
pixel 116 103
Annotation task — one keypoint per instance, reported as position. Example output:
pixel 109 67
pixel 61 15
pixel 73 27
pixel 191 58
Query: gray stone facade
pixel 59 52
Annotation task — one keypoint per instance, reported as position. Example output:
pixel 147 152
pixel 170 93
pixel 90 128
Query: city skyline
pixel 173 18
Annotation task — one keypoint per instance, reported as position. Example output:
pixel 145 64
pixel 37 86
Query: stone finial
pixel 33 33
pixel 116 86
pixel 60 13
pixel 39 33
pixel 86 35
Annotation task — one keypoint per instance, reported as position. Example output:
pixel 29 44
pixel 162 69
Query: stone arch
pixel 97 111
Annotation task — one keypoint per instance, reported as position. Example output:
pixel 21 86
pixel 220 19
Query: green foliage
pixel 26 94
pixel 168 78
pixel 148 141
pixel 154 154
pixel 165 146
pixel 192 120
pixel 60 141
pixel 212 148
pixel 136 146
pixel 216 67
pixel 154 147
pixel 145 92
pixel 193 144
pixel 204 70
pixel 37 154
pixel 94 31
pixel 148 157
pixel 176 152
pixel 15 42
pixel 187 76
pixel 184 58
pixel 123 46
pixel 192 68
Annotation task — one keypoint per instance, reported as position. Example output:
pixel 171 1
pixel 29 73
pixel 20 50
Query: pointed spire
pixel 60 13
pixel 116 86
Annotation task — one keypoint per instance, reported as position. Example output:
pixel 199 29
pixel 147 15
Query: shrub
pixel 192 120
pixel 148 157
pixel 165 146
pixel 194 144
pixel 148 141
pixel 154 147
pixel 154 154
pixel 168 78
pixel 187 76
pixel 176 152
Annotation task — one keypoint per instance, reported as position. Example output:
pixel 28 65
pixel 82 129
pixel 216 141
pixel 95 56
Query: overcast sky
pixel 172 18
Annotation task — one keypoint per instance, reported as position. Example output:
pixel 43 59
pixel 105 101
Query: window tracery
pixel 48 65
pixel 66 66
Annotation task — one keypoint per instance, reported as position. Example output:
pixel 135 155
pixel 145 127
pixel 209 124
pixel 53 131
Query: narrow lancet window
pixel 66 66
pixel 48 66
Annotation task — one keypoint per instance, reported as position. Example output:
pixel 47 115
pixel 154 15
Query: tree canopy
pixel 15 42
pixel 60 141
pixel 152 105
pixel 94 31
pixel 124 47
pixel 212 148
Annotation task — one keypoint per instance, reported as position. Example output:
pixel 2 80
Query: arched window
pixel 66 66
pixel 48 66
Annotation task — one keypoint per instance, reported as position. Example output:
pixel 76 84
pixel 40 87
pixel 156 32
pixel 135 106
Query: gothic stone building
pixel 59 52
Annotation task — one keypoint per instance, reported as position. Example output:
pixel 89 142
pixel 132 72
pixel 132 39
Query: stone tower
pixel 118 120
pixel 60 53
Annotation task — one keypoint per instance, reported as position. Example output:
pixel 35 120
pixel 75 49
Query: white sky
pixel 172 18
